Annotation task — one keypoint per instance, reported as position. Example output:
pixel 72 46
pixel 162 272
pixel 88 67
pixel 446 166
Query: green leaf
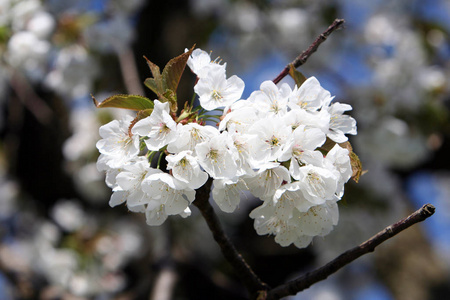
pixel 133 102
pixel 173 70
pixel 298 77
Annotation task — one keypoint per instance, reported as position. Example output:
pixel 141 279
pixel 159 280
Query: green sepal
pixel 133 102
pixel 298 77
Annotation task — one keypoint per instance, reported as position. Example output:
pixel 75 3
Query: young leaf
pixel 298 77
pixel 155 83
pixel 172 72
pixel 133 102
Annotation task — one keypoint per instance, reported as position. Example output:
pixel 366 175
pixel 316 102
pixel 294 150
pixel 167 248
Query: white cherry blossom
pixel 250 150
pixel 338 158
pixel 267 180
pixel 300 148
pixel 190 135
pixel 169 196
pixel 266 222
pixel 227 193
pixel 216 157
pixel 317 184
pixel 200 62
pixel 159 127
pixel 155 213
pixel 296 117
pixel 300 227
pixel 129 182
pixel 317 221
pixel 215 90
pixel 340 124
pixel 309 96
pixel 270 136
pixel 242 150
pixel 239 119
pixel 270 99
pixel 116 144
pixel 185 168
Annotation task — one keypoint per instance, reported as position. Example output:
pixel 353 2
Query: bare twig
pixel 253 284
pixel 305 281
pixel 303 57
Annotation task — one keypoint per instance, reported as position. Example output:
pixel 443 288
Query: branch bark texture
pixel 305 281
pixel 303 57
pixel 252 282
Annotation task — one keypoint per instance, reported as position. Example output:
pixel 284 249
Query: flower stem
pixel 161 154
pixel 193 99
pixel 150 156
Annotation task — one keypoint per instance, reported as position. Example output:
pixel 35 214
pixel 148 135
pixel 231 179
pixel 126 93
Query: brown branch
pixel 303 57
pixel 305 281
pixel 253 284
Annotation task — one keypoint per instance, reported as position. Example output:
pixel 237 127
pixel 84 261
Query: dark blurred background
pixel 59 239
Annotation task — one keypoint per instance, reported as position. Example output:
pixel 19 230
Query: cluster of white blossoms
pixel 270 144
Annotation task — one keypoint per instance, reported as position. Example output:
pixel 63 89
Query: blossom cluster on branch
pixel 287 147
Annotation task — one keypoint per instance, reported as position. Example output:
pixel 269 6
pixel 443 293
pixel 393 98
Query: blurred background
pixel 59 239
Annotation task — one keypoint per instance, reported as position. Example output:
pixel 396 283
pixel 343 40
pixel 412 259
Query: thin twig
pixel 305 281
pixel 253 284
pixel 303 57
